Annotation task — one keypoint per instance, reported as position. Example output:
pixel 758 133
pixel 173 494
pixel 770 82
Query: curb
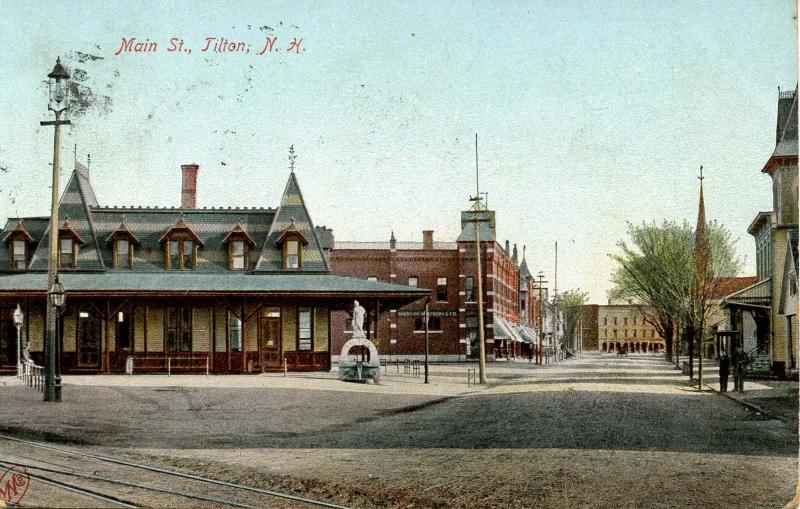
pixel 751 406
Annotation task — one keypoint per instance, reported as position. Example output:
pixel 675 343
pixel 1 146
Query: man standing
pixel 739 362
pixel 724 371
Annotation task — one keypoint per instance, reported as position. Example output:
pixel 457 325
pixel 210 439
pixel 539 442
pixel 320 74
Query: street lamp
pixel 19 316
pixel 58 86
pixel 58 298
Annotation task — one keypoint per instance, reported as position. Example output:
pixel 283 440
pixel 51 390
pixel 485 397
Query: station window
pixel 304 329
pixel 235 332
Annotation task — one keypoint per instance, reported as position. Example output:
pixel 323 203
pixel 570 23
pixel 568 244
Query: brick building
pixel 622 326
pixel 448 270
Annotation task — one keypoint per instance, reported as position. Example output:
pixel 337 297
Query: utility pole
pixel 541 313
pixel 476 210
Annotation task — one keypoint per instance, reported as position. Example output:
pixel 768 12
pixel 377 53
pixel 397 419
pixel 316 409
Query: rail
pixel 169 363
pixel 33 375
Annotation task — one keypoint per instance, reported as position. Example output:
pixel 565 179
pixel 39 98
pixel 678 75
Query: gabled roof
pixel 760 219
pixel 19 230
pixel 75 205
pixel 292 209
pixel 123 231
pixel 67 228
pixel 292 231
pixel 181 227
pixel 239 232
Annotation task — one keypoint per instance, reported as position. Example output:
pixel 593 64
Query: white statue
pixel 358 321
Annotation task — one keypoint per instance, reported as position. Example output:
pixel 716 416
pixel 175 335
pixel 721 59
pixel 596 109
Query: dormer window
pixel 18 240
pixel 180 247
pixel 66 252
pixel 181 255
pixel 124 244
pixel 239 244
pixel 293 242
pixel 292 254
pixel 68 242
pixel 19 254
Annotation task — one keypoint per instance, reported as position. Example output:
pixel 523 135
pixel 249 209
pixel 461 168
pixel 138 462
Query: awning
pixel 757 295
pixel 527 334
pixel 505 330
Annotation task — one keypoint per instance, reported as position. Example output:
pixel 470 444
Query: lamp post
pixel 58 86
pixel 57 299
pixel 19 316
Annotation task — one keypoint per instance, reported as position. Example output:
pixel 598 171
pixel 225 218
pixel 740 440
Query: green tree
pixel 571 304
pixel 658 267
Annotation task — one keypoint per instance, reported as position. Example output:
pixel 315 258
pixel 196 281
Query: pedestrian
pixel 724 371
pixel 739 362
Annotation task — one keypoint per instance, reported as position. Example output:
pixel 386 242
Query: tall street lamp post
pixel 58 85
pixel 57 298
pixel 19 316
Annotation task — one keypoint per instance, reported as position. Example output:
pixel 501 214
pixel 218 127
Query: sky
pixel 589 115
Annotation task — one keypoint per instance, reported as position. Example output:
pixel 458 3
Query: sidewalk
pixel 776 399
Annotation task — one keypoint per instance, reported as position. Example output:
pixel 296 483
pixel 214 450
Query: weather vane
pixel 292 157
pixel 701 173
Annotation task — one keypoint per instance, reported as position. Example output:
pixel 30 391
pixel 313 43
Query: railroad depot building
pixel 449 270
pixel 235 289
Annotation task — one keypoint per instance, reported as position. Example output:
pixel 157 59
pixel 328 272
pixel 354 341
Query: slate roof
pixel 94 224
pixel 786 128
pixel 264 275
pixel 188 282
pixel 292 209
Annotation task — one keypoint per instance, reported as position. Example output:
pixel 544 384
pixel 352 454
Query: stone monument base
pixel 359 371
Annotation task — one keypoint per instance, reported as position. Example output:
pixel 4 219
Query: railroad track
pixel 129 484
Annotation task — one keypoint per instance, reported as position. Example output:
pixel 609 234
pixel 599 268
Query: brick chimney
pixel 189 189
pixel 427 239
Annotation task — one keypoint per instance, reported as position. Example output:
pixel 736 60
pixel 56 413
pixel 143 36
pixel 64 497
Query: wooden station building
pixel 235 289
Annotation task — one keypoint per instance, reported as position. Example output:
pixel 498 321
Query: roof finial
pixel 75 153
pixel 123 220
pixel 701 173
pixel 88 161
pixel 292 157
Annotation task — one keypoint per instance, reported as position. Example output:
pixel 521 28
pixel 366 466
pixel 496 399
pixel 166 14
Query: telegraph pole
pixel 476 209
pixel 541 313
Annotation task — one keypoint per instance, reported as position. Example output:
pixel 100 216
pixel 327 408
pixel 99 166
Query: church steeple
pixel 700 235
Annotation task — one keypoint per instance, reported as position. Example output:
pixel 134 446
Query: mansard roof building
pixel 227 289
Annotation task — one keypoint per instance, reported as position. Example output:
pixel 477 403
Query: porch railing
pixel 33 375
